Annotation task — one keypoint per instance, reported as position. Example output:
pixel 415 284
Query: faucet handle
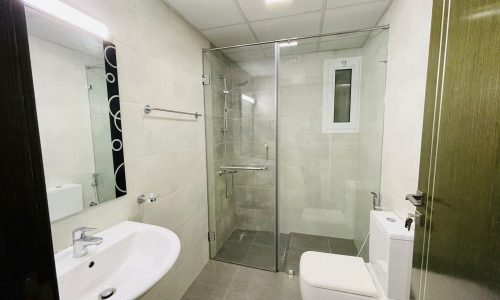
pixel 79 233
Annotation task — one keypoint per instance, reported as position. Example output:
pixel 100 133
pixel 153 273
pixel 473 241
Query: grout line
pixel 323 10
pixel 229 286
pixel 255 237
pixel 249 248
pixel 321 24
pixel 247 22
pixel 285 264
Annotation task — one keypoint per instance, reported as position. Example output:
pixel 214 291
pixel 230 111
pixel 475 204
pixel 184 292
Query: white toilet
pixel 325 276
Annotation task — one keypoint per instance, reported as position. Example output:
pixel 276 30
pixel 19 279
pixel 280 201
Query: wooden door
pixel 457 240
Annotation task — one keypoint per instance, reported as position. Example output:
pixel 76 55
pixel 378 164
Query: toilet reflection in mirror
pixel 77 101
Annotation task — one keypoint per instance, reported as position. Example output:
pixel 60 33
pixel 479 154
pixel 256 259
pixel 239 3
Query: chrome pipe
pixel 300 38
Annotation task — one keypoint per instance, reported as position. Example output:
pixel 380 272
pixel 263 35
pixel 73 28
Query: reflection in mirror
pixel 76 90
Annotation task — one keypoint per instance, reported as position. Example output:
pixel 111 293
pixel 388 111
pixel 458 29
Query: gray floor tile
pixel 261 256
pixel 343 246
pixel 291 288
pixel 264 238
pixel 292 261
pixel 222 281
pixel 254 284
pixel 244 236
pixel 200 292
pixel 217 272
pixel 212 282
pixel 307 242
pixel 267 238
pixel 233 251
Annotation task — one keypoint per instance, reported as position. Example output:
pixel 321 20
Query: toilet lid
pixel 341 273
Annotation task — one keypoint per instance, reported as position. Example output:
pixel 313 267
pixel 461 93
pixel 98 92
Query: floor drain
pixel 107 293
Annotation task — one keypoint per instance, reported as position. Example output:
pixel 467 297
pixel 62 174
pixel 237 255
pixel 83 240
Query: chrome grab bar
pixel 223 168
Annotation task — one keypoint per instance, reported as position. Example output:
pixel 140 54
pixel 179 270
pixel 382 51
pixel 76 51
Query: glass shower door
pixel 330 123
pixel 240 112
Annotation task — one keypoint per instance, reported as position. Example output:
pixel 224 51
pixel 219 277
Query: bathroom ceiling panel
pixel 209 13
pixel 353 17
pixel 343 42
pixel 300 25
pixel 343 3
pixel 230 22
pixel 267 9
pixel 230 35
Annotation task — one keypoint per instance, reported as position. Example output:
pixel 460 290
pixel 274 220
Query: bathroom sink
pixel 131 259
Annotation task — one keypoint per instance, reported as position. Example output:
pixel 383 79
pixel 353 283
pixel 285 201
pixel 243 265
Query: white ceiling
pixel 230 22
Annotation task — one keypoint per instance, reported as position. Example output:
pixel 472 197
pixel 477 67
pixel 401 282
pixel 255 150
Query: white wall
pixel 63 114
pixel 410 23
pixel 159 63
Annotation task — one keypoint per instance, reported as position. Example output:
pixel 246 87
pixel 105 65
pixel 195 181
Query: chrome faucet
pixel 81 241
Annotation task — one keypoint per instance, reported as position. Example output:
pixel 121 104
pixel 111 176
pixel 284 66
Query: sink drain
pixel 107 293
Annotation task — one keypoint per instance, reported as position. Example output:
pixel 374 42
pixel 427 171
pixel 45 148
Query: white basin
pixel 131 259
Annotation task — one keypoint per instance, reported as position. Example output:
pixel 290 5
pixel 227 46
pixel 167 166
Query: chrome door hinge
pixel 205 79
pixel 211 236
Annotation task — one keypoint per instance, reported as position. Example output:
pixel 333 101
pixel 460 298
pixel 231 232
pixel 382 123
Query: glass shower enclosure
pixel 294 137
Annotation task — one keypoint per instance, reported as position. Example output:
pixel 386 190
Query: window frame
pixel 330 66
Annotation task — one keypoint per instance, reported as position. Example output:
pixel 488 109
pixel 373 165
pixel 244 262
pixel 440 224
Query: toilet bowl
pixel 326 276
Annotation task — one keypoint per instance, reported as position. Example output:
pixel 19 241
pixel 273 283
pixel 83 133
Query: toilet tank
pixel 391 250
pixel 64 200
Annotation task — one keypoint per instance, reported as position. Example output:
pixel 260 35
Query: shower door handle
pixel 227 174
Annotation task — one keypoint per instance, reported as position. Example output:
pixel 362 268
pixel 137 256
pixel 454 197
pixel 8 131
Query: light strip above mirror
pixel 70 15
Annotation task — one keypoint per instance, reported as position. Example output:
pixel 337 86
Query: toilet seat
pixel 337 274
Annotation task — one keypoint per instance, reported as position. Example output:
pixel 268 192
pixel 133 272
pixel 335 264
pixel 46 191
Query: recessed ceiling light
pixel 68 14
pixel 288 44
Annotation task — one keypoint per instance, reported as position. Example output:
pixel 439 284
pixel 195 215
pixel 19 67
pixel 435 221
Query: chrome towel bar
pixel 148 109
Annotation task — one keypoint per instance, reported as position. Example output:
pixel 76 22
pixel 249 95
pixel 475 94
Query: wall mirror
pixel 76 91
